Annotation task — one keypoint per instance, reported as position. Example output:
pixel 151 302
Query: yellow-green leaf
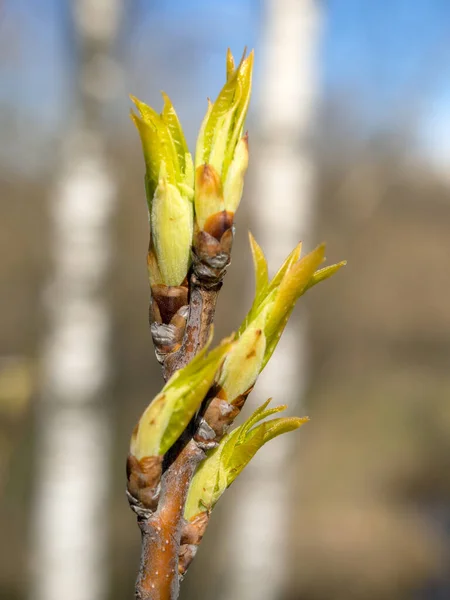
pixel 161 146
pixel 170 118
pixel 260 414
pixel 200 149
pixel 154 155
pixel 243 453
pixel 220 107
pixel 172 229
pixel 256 309
pixel 189 175
pixel 230 65
pixel 243 363
pixel 244 84
pixel 223 464
pixel 265 292
pixel 168 415
pixel 324 273
pixel 260 267
pixel 221 136
pixel 282 425
pixel 293 257
pixel 203 486
pixel 290 289
pixel 234 182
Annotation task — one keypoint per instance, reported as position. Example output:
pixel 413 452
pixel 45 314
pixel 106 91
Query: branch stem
pixel 159 577
pixel 202 305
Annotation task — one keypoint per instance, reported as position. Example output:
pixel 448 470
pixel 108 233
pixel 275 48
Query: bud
pixel 168 415
pixel 169 183
pixel 171 229
pixel 224 463
pixel 219 143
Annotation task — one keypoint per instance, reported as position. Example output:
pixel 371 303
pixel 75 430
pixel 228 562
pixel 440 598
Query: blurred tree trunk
pixel 283 192
pixel 70 519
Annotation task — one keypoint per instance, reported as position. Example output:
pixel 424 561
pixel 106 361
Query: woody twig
pixel 183 455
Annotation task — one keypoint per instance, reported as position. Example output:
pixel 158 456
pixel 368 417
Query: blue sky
pixel 388 56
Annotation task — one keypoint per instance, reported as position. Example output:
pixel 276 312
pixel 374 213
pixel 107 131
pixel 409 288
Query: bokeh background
pixel 355 97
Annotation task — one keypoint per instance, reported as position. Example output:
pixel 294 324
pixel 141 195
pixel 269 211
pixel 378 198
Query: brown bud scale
pixel 143 479
pixel 219 415
pixel 169 299
pixel 191 536
pixel 216 225
pixel 211 257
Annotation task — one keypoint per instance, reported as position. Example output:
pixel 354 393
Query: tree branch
pixel 161 530
pixel 158 577
pixel 202 305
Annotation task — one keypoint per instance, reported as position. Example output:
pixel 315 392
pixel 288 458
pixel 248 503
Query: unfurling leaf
pixel 234 182
pixel 261 269
pixel 224 463
pixel 230 65
pixel 220 145
pixel 172 230
pixel 158 146
pixel 278 298
pixel 169 182
pixel 293 258
pixel 324 273
pixel 243 362
pixel 168 415
pixel 289 291
pixel 170 118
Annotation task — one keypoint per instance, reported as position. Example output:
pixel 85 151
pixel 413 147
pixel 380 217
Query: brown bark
pixel 202 305
pixel 158 577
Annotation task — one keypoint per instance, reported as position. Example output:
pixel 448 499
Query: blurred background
pixel 350 143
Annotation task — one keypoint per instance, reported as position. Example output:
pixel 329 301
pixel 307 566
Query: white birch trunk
pixel 69 527
pixel 283 192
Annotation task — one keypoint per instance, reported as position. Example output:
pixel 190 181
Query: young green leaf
pixel 243 363
pixel 224 463
pixel 261 269
pixel 323 274
pixel 168 415
pixel 290 289
pixel 172 230
pixel 230 65
pixel 169 189
pixel 234 182
pixel 170 118
pixel 220 143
